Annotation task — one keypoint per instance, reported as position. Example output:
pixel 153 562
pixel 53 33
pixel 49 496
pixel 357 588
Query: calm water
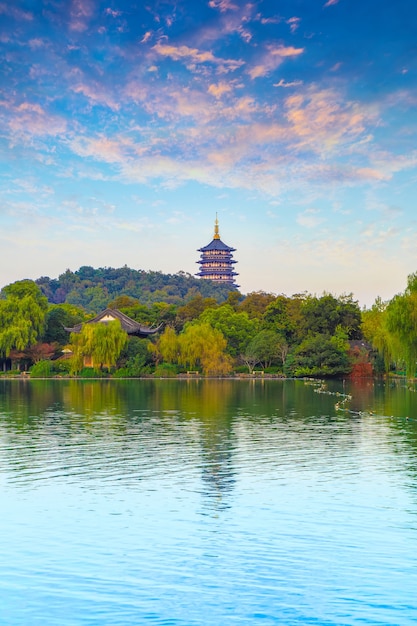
pixel 207 503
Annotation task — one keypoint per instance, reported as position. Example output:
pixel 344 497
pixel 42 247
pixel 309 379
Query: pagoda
pixel 216 261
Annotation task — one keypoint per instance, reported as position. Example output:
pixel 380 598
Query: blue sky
pixel 126 125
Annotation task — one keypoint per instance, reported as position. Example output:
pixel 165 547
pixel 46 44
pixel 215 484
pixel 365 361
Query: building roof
pixel 131 327
pixel 217 244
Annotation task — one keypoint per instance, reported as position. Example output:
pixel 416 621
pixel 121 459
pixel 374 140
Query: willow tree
pixel 402 326
pixel 205 346
pixel 100 343
pixel 22 315
pixel 375 331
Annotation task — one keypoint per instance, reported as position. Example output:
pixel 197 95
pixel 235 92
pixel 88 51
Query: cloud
pixel 293 23
pixel 219 89
pixel 272 59
pixel 310 218
pixel 15 12
pixel 96 94
pixel 31 120
pixel 195 56
pixel 330 3
pixel 81 12
pixel 293 83
pixel 223 5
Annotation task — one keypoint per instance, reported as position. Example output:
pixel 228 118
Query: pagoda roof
pixel 216 244
pixel 131 327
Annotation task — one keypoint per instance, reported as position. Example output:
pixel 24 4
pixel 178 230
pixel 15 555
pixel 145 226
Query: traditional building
pixel 131 327
pixel 216 261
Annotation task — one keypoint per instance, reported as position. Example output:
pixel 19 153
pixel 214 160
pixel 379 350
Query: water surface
pixel 207 503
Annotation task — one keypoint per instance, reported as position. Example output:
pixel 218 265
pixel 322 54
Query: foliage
pixel 375 330
pixel 266 347
pixel 22 315
pixel 101 342
pixel 283 316
pixel 318 355
pixel 323 315
pixel 94 289
pixel 237 328
pixel 41 369
pixel 203 346
pixel 256 303
pixel 59 317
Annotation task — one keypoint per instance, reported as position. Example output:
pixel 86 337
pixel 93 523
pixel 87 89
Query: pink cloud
pixel 195 56
pixel 272 59
pixel 293 23
pixel 223 5
pixel 29 119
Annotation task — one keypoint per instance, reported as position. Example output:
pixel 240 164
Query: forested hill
pixel 93 289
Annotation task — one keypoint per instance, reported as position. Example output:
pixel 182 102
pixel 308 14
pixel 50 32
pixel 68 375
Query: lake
pixel 207 502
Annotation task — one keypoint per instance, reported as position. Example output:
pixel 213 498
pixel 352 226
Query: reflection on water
pixel 207 502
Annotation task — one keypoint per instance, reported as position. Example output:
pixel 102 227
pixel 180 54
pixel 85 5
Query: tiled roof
pixel 131 327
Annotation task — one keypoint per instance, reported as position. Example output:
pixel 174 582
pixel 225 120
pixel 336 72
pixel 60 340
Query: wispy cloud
pixel 310 218
pixel 223 5
pixel 193 56
pixel 272 58
pixel 292 83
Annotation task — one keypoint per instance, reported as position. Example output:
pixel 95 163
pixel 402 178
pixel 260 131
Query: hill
pixel 93 289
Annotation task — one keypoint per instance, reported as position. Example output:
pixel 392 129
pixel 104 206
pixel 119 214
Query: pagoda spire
pixel 216 229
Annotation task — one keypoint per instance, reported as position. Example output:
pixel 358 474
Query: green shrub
pixel 166 370
pixel 42 369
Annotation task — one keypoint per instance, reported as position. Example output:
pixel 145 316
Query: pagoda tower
pixel 216 261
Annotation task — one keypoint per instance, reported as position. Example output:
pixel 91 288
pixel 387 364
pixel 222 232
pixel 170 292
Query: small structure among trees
pixel 98 342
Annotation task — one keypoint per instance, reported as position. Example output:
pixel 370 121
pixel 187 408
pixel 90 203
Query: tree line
pixel 206 329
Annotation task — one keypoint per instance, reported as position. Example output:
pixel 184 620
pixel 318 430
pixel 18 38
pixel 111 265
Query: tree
pixel 265 347
pixel 236 328
pixel 100 342
pixel 22 315
pixel 59 317
pixel 375 331
pixel 318 355
pixel 322 315
pixel 256 303
pixel 201 344
pixel 283 316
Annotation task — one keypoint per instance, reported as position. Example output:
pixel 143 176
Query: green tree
pixel 256 303
pixel 59 317
pixel 101 342
pixel 318 355
pixel 265 348
pixel 22 315
pixel 283 316
pixel 375 331
pixel 204 346
pixel 236 328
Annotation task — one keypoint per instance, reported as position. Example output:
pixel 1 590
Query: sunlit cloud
pixel 223 5
pixel 31 120
pixel 195 56
pixel 272 59
pixel 293 23
pixel 97 94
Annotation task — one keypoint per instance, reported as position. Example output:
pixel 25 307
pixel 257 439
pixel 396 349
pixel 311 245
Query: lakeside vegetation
pixel 206 329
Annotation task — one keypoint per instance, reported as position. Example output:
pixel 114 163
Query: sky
pixel 125 126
